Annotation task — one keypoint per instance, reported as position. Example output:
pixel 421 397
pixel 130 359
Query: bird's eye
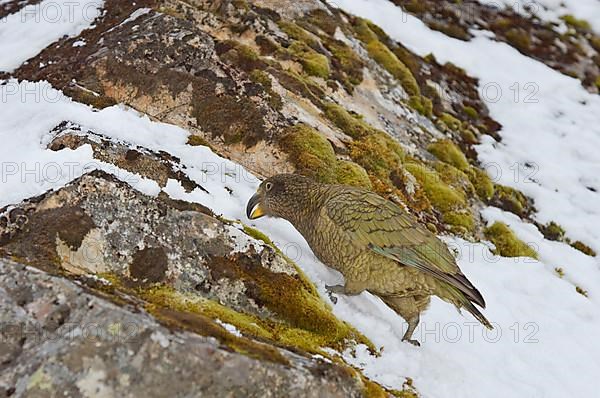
pixel 268 186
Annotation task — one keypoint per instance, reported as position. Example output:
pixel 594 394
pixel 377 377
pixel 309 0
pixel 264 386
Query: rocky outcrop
pixel 58 338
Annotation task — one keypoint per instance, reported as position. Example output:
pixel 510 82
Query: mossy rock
pixel 511 200
pixel 378 153
pixel 552 231
pixel 450 121
pixel 519 38
pixel 448 152
pixel 346 60
pixel 314 64
pixel 388 60
pixel 312 154
pixel 298 33
pixel 484 187
pixel 507 243
pixel 454 177
pixel 442 196
pixel 350 173
pixel 461 222
pixel 582 247
pixel 196 140
pixel 421 104
pixel 576 23
pixel 349 124
pixel 471 112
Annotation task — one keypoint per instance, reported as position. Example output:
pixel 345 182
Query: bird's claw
pixel 331 290
pixel 413 342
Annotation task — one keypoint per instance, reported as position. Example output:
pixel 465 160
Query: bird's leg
pixel 412 325
pixel 349 289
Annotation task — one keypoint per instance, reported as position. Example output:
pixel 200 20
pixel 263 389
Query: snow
pixel 545 342
pixel 27 32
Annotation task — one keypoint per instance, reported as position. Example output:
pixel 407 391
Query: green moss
pixel 421 104
pixel 553 231
pixel 461 222
pixel 450 121
pixel 346 60
pixel 597 82
pixel 350 173
pixel 575 22
pixel 581 291
pixel 519 39
pixel 378 153
pixel 448 152
pixel 471 112
pixel 442 196
pixel 298 33
pixel 258 235
pixel 506 242
pixel 310 152
pixel 314 64
pixel 196 140
pixel 262 78
pixel 388 60
pixel 349 124
pixel 560 272
pixel 582 247
pixel 363 32
pixel 511 200
pixel 484 187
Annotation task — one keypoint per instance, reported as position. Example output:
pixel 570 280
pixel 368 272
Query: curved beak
pixel 253 209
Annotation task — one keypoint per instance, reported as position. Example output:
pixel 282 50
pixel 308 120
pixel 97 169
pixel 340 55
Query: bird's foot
pixel 336 289
pixel 413 342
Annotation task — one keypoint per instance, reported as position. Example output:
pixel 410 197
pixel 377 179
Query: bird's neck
pixel 310 201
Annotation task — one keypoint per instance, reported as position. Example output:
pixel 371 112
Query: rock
pixel 59 339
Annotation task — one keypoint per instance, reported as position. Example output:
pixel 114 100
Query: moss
pixel 560 272
pixel 575 22
pixel 448 152
pixel 552 231
pixel 421 104
pixel 314 64
pixel 461 222
pixel 258 235
pixel 581 291
pixel 582 247
pixel 506 242
pixel 378 153
pixel 484 187
pixel 312 154
pixel 346 60
pixel 471 112
pixel 262 78
pixel 239 54
pixel 349 124
pixel 388 60
pixel 350 173
pixel 518 39
pixel 597 82
pixel 511 200
pixel 296 32
pixel 196 140
pixel 450 121
pixel 442 196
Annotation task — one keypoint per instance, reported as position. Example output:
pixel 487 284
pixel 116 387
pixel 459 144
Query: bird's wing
pixel 375 223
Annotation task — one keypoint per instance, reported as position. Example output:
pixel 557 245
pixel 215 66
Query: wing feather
pixel 374 223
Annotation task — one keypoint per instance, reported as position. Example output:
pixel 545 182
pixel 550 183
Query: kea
pixel 376 245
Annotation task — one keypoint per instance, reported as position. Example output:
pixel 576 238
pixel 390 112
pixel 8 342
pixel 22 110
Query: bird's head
pixel 278 196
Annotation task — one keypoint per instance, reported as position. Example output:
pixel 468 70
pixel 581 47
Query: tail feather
pixel 477 314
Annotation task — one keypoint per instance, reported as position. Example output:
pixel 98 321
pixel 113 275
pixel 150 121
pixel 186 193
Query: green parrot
pixel 375 244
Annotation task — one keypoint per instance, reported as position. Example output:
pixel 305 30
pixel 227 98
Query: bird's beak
pixel 253 210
